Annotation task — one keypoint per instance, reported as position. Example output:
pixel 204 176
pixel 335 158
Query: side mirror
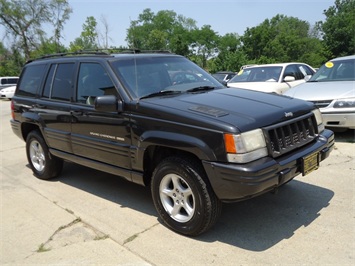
pixel 289 79
pixel 108 103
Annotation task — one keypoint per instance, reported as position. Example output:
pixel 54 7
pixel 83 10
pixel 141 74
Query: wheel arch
pixel 31 121
pixel 26 128
pixel 156 145
pixel 154 154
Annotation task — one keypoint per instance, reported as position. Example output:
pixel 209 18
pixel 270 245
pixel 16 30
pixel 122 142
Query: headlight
pixel 319 119
pixel 345 103
pixel 245 147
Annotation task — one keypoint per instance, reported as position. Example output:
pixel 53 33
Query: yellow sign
pixel 329 64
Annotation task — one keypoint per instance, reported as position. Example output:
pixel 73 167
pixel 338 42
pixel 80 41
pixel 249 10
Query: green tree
pixel 11 61
pixel 24 20
pixel 204 44
pixel 282 39
pixel 88 39
pixel 48 47
pixel 339 28
pixel 162 31
pixel 61 11
pixel 230 54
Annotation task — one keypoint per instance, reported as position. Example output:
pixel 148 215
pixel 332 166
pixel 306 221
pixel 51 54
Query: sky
pixel 225 16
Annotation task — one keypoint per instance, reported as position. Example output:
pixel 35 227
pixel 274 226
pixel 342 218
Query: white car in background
pixel 8 92
pixel 332 89
pixel 8 81
pixel 272 78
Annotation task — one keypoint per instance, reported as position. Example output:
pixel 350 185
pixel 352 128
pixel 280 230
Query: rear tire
pixel 183 197
pixel 43 164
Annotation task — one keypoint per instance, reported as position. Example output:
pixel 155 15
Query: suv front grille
pixel 322 104
pixel 287 136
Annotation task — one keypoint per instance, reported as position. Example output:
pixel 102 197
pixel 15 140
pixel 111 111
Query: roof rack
pixel 82 52
pixel 100 52
pixel 139 51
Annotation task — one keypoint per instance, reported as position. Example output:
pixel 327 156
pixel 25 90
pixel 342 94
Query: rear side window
pixel 58 84
pixel 31 80
pixel 7 81
pixel 12 81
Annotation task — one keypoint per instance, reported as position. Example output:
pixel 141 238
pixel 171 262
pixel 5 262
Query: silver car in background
pixel 332 89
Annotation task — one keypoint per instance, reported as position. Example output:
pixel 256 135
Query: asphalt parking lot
pixel 85 217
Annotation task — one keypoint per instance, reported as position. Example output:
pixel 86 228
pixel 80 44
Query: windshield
pixel 339 70
pixel 258 74
pixel 144 76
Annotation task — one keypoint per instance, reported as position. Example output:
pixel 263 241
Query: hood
pixel 228 107
pixel 318 91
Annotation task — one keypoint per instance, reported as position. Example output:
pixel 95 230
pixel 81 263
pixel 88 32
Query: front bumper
pixel 341 120
pixel 234 182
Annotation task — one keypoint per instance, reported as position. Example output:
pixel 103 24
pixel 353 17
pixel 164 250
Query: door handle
pixel 41 106
pixel 76 113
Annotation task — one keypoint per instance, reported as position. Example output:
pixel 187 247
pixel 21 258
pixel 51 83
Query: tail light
pixel 12 110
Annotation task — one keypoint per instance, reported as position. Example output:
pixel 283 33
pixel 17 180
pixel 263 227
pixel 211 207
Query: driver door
pixel 101 136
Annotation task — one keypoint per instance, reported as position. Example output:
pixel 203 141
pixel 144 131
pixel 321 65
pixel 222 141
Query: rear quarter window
pixel 12 81
pixel 30 80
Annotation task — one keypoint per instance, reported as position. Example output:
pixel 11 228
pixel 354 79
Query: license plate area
pixel 310 163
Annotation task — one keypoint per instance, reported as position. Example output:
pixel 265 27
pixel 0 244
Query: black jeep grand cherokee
pixel 159 120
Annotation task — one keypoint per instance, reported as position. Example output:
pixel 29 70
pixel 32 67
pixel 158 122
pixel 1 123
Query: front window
pixel 93 81
pixel 339 70
pixel 143 76
pixel 258 74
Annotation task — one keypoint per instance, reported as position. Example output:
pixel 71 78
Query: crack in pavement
pixel 71 233
pixel 131 238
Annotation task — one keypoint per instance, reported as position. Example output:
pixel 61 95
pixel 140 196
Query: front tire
pixel 43 164
pixel 183 197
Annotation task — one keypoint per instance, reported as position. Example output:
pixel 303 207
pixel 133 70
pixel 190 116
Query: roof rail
pixel 83 52
pixel 139 51
pixel 99 52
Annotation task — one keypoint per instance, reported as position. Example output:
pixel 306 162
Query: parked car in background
pixel 182 77
pixel 8 92
pixel 8 81
pixel 224 76
pixel 332 89
pixel 276 78
pixel 246 66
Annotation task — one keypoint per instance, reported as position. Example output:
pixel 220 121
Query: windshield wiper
pixel 201 88
pixel 161 93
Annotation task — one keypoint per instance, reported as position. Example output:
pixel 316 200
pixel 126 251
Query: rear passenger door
pixel 54 103
pixel 101 136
